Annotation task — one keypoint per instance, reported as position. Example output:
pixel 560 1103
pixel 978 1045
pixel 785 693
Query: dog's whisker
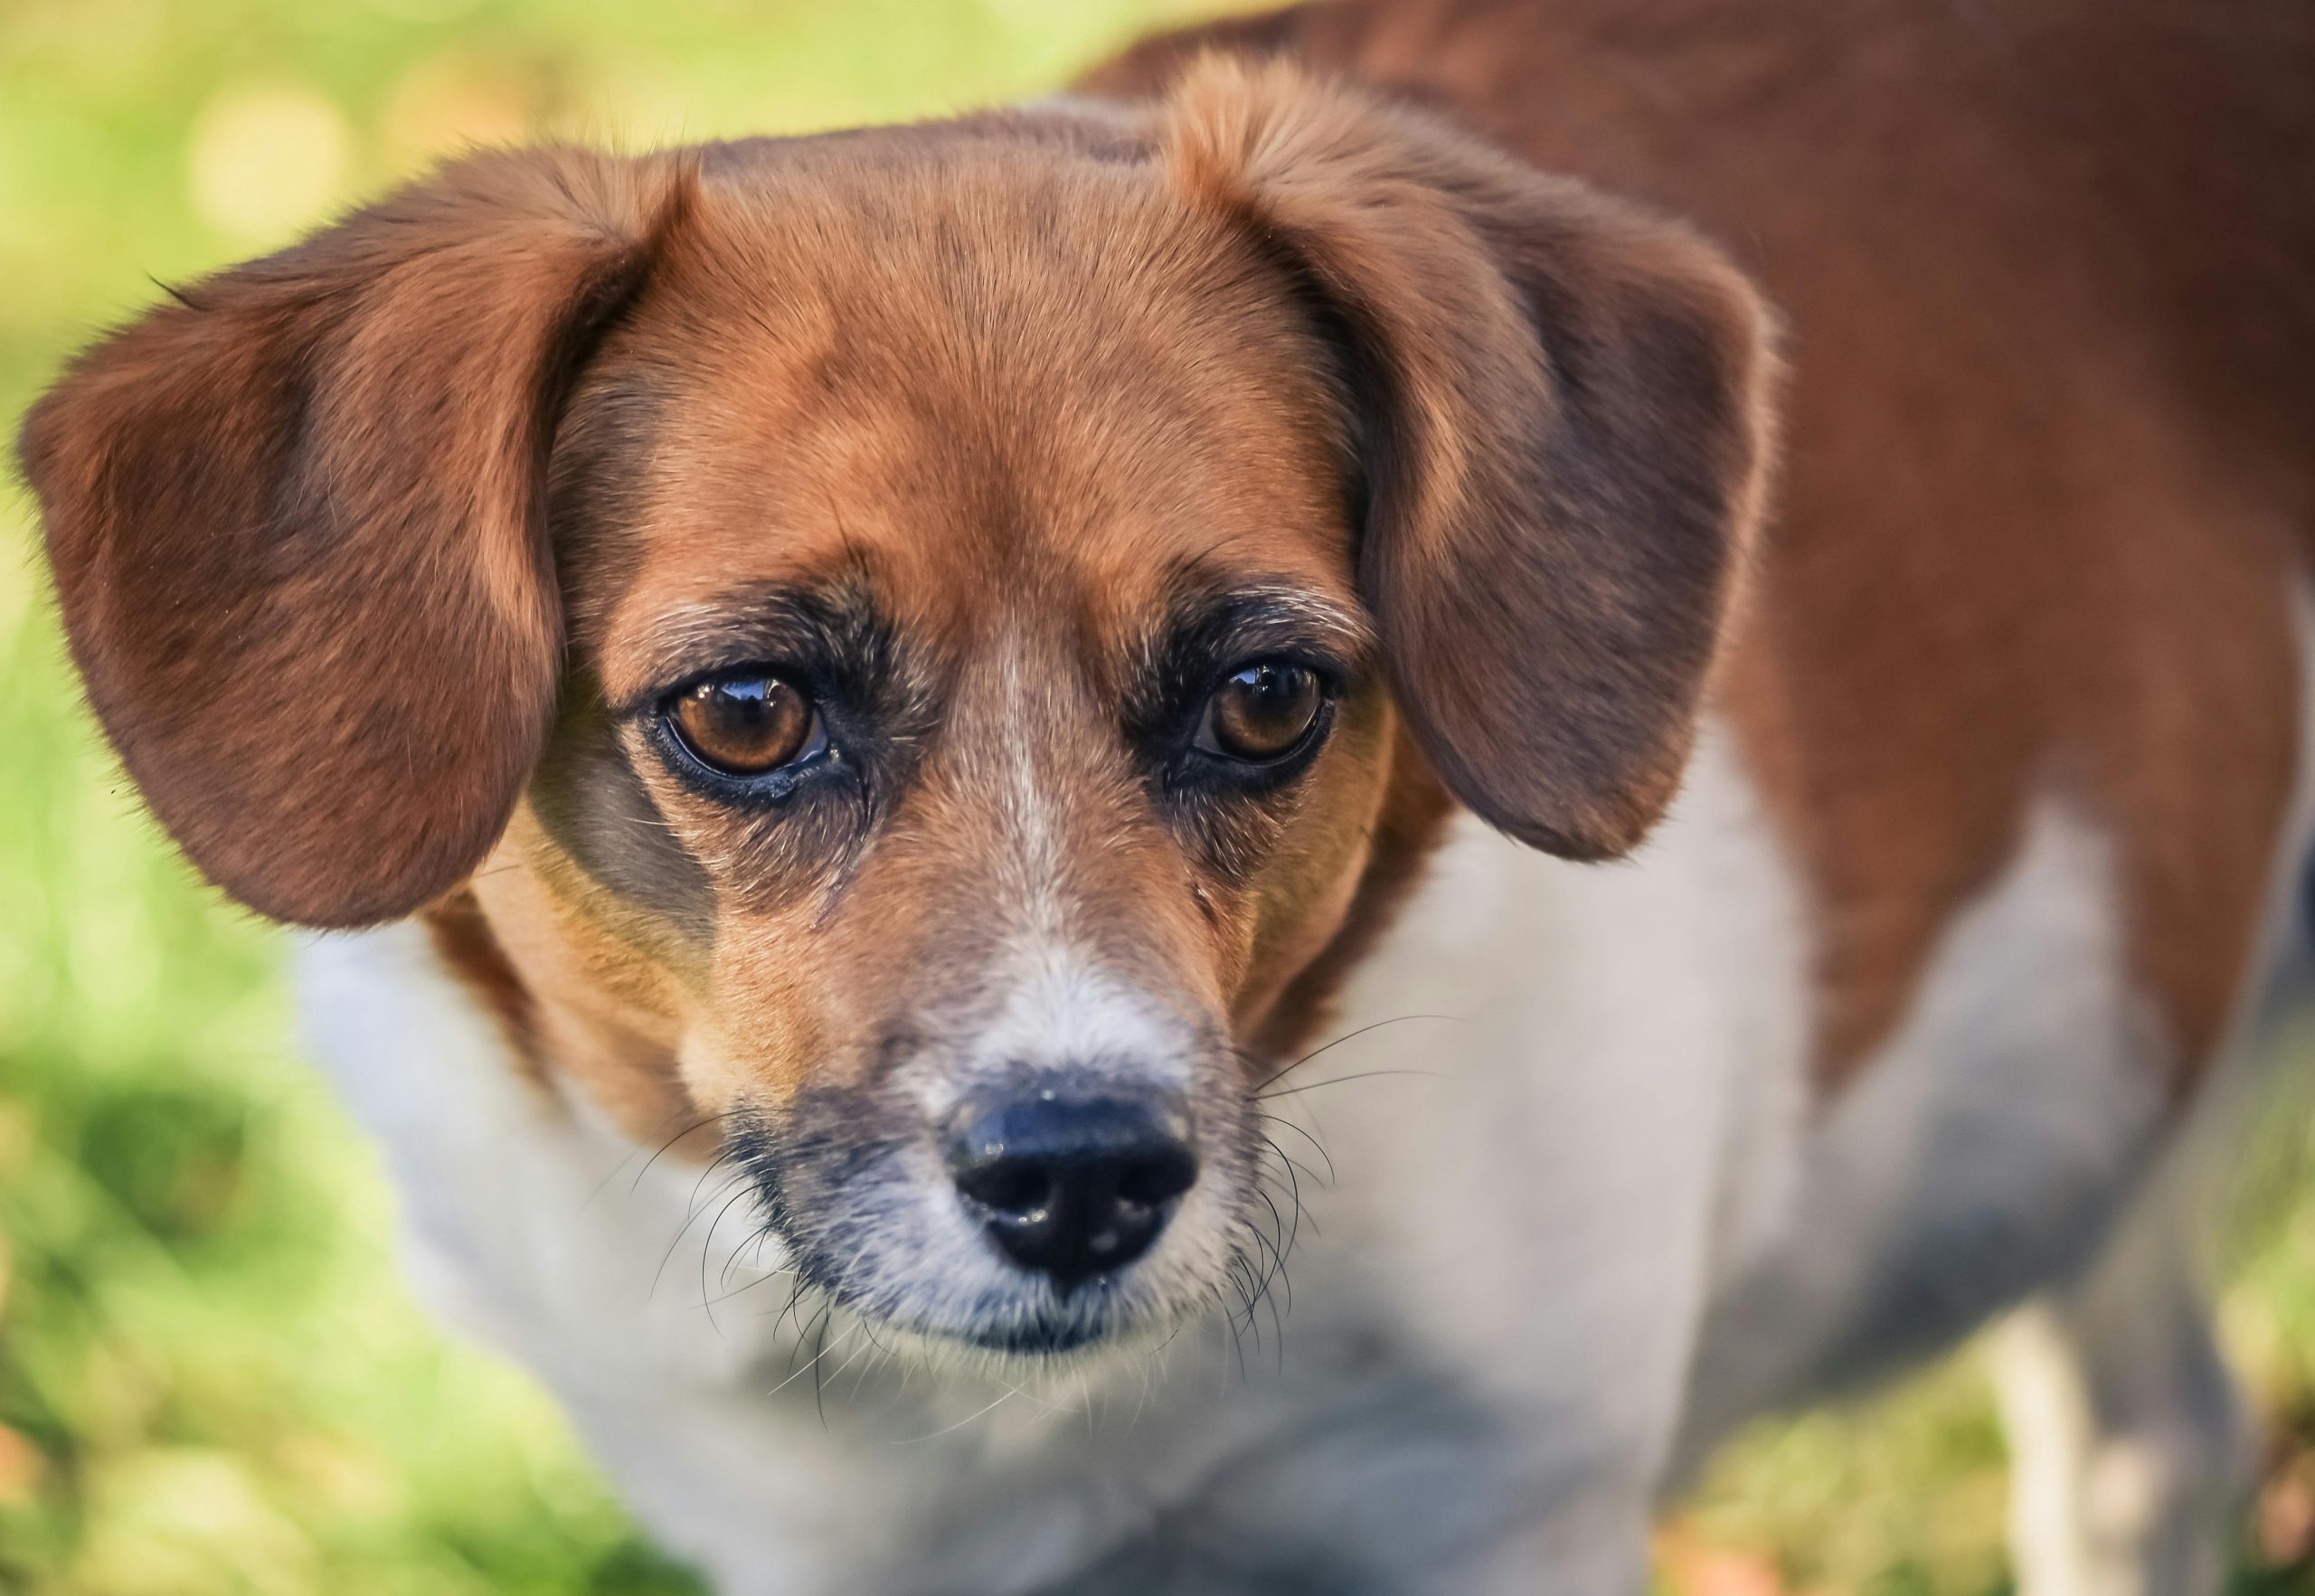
pixel 1294 1188
pixel 817 1325
pixel 752 1250
pixel 690 1218
pixel 613 1173
pixel 820 1382
pixel 707 1245
pixel 1320 1051
pixel 1305 1134
pixel 1268 1244
pixel 1344 1081
pixel 736 1292
pixel 1279 1246
pixel 1292 1167
pixel 1003 1396
pixel 794 1297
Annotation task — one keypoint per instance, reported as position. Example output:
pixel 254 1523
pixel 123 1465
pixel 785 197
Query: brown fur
pixel 2049 268
pixel 1406 830
pixel 298 537
pixel 1549 575
pixel 992 421
pixel 2048 281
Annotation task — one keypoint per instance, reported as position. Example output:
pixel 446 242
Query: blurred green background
pixel 211 1377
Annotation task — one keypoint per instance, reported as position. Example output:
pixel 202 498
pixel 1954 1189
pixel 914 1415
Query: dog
pixel 1261 830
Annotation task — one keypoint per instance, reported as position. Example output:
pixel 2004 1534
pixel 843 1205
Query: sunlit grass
pixel 211 1377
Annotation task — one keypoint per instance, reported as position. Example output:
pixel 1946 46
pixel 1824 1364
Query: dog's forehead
pixel 982 379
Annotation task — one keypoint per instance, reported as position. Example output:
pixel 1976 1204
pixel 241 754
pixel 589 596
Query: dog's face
pixel 974 718
pixel 923 631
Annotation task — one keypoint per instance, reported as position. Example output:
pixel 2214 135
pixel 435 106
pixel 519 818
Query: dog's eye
pixel 1261 712
pixel 746 724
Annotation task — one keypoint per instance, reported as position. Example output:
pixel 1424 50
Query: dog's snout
pixel 1072 1187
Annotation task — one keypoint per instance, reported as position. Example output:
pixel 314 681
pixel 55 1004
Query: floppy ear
pixel 1561 408
pixel 296 525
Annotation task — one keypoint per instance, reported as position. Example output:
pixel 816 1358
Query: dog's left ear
pixel 1561 418
pixel 297 523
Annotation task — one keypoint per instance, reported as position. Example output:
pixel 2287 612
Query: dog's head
pixel 926 627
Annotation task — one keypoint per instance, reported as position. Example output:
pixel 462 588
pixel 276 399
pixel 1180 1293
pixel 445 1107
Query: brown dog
pixel 937 660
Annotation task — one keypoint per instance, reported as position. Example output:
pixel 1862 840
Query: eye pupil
pixel 1262 712
pixel 744 724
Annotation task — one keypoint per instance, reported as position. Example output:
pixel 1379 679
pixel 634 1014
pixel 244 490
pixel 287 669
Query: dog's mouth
pixel 877 1227
pixel 1098 1315
pixel 971 1302
pixel 1043 1340
pixel 1026 1332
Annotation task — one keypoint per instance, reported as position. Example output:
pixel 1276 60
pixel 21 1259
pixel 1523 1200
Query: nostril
pixel 1017 1187
pixel 1158 1176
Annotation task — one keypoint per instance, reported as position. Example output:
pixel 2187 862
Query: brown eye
pixel 747 723
pixel 1261 712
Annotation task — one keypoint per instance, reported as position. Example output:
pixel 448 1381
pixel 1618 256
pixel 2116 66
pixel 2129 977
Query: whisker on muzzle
pixel 1344 1081
pixel 1324 1048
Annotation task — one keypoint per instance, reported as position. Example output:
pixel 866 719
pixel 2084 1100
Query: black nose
pixel 1072 1187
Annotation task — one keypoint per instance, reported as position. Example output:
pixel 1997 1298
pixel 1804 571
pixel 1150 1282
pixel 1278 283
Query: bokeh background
pixel 211 1377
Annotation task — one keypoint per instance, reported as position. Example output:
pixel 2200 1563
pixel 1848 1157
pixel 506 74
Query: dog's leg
pixel 2128 1445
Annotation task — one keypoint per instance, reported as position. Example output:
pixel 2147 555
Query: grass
pixel 211 1377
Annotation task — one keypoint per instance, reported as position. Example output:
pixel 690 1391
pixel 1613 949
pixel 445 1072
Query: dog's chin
pixel 1045 1340
pixel 1054 1336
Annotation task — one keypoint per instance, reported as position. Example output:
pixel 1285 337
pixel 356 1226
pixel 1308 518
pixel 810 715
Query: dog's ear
pixel 296 525
pixel 1561 424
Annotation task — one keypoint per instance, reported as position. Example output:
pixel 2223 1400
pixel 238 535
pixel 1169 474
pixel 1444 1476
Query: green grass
pixel 211 1377
pixel 1904 1496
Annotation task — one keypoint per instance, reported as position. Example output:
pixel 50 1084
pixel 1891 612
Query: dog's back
pixel 2048 271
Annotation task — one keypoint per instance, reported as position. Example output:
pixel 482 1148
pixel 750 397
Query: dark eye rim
pixel 1207 760
pixel 821 754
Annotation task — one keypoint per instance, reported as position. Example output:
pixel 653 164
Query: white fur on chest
pixel 1537 1195
pixel 1610 1095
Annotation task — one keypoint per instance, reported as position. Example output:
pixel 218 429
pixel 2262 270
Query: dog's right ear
pixel 1561 418
pixel 296 521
